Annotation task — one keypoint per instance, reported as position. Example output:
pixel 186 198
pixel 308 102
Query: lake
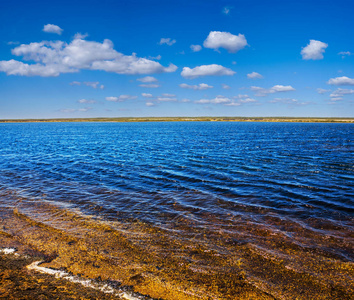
pixel 270 202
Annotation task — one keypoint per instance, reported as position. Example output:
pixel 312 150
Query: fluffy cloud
pixel 261 92
pixel 341 81
pixel 54 58
pixel 86 101
pixel 201 86
pixel 314 50
pixel 167 41
pixel 94 85
pixel 121 98
pixel 150 104
pixel 196 48
pixel 284 100
pixel 218 39
pixel 50 28
pixel 322 91
pixel 149 85
pixel 146 95
pixel 225 86
pixel 254 75
pixel 235 101
pixel 217 100
pixel 166 98
pixel 206 70
pixel 339 93
pixel 147 79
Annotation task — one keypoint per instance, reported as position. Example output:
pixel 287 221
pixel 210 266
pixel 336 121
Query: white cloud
pixel 322 91
pixel 80 36
pixel 150 104
pixel 206 70
pixel 51 28
pixel 314 50
pixel 196 48
pixel 168 95
pixel 225 86
pixel 226 10
pixel 155 57
pixel 345 53
pixel 341 81
pixel 339 93
pixel 85 109
pixel 247 100
pixel 242 99
pixel 166 99
pixel 86 101
pixel 54 58
pixel 67 110
pixel 240 96
pixel 284 100
pixel 167 41
pixel 13 43
pixel 71 110
pixel 185 100
pixel 201 86
pixel 254 75
pixel 219 39
pixel 149 85
pixel 147 95
pixel 217 100
pixel 121 98
pixel 147 79
pixel 112 99
pixel 261 92
pixel 94 85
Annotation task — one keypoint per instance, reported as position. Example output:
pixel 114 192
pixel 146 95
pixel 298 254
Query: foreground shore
pixel 194 119
pixel 139 261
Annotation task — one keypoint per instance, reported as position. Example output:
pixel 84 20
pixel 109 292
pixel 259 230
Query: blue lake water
pixel 280 191
pixel 293 169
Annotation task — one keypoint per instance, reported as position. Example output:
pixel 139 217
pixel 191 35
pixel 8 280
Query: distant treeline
pixel 179 119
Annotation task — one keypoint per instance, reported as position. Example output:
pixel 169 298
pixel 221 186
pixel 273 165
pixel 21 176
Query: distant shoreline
pixel 184 119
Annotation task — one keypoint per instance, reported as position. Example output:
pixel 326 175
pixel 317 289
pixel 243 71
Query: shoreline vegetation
pixel 184 119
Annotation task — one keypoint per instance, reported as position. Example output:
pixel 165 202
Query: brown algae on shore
pixel 237 261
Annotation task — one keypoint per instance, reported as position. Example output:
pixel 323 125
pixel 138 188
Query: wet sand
pixel 238 261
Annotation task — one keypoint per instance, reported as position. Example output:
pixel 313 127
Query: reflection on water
pixel 183 210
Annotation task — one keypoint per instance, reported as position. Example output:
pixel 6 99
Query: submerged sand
pixel 239 261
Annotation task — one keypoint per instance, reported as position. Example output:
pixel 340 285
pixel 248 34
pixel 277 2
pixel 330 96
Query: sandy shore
pixel 139 259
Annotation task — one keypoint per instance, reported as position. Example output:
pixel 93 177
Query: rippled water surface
pixel 296 170
pixel 224 177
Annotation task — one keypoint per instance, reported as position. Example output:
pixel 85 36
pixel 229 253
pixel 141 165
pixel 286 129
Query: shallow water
pixel 281 192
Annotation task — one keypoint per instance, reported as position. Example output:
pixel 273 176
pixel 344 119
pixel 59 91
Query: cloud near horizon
pixel 206 70
pixel 120 98
pixel 54 58
pixel 200 86
pixel 262 92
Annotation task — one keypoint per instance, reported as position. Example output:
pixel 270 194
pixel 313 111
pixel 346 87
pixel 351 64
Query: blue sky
pixel 176 58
